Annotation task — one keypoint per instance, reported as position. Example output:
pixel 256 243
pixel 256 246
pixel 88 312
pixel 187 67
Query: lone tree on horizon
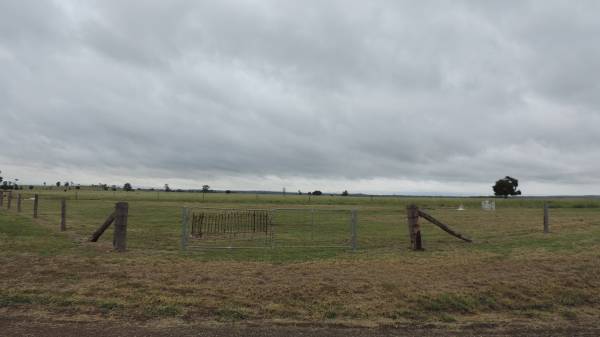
pixel 127 187
pixel 506 186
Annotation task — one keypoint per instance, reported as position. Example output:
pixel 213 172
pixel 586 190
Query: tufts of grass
pixel 108 305
pixel 446 318
pixel 7 300
pixel 568 315
pixel 17 299
pixel 231 314
pixel 570 297
pixel 412 315
pixel 162 310
pixel 330 314
pixel 449 302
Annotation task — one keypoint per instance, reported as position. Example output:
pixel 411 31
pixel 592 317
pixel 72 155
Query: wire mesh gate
pixel 211 228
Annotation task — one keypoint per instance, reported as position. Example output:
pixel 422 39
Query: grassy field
pixel 511 274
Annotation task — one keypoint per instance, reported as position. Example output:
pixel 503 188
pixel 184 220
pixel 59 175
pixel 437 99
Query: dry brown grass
pixel 512 274
pixel 550 287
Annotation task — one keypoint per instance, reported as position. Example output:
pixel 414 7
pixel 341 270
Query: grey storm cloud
pixel 461 91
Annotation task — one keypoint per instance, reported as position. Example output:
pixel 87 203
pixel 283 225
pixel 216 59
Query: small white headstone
pixel 488 205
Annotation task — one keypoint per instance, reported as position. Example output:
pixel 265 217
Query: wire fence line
pixel 77 216
pixel 219 228
pixel 163 226
pixel 31 204
pixel 204 228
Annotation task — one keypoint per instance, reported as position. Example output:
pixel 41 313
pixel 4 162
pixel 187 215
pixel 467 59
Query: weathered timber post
pixel 35 206
pixel 9 201
pixel 353 221
pixel 412 213
pixel 120 233
pixel 546 219
pixel 103 227
pixel 19 203
pixel 184 227
pixel 1 198
pixel 63 215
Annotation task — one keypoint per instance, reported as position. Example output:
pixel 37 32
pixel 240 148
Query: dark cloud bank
pixel 382 96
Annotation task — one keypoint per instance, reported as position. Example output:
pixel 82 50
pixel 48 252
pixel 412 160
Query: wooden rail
pixel 444 227
pixel 414 229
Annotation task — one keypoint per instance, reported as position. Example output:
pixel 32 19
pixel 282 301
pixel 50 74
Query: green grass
pixel 511 270
pixel 325 200
pixel 19 234
pixel 154 223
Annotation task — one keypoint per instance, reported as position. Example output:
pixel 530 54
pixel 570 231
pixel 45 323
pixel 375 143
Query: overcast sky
pixel 369 96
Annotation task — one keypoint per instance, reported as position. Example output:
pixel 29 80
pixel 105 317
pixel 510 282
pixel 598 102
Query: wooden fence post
pixel 35 206
pixel 1 198
pixel 63 215
pixel 184 227
pixel 546 219
pixel 353 222
pixel 9 201
pixel 412 212
pixel 19 203
pixel 120 233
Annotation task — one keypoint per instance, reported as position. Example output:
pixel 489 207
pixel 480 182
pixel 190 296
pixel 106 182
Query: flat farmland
pixel 511 275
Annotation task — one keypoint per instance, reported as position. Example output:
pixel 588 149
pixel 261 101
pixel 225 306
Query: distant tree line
pixel 68 185
pixel 9 185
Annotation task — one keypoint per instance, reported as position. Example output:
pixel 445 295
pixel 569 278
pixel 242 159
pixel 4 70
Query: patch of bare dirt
pixel 24 327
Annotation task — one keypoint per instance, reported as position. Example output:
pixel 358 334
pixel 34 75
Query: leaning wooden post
pixel 120 233
pixel 9 201
pixel 1 198
pixel 63 215
pixel 35 206
pixel 546 219
pixel 412 213
pixel 103 227
pixel 19 203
